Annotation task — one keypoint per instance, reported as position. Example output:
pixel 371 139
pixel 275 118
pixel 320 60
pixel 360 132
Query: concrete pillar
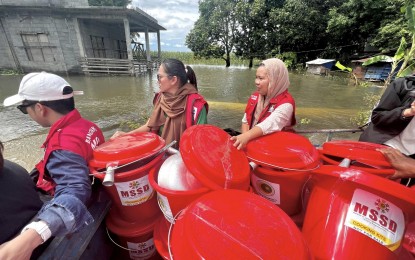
pixel 79 38
pixel 12 57
pixel 127 38
pixel 158 45
pixel 147 45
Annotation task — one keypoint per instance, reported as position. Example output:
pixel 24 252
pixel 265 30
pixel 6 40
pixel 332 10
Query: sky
pixel 177 16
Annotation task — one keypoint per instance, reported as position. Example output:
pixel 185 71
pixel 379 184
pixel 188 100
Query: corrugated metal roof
pixel 378 73
pixel 319 61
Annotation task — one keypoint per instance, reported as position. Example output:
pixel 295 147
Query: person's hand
pixel 21 247
pixel 404 166
pixel 117 134
pixel 408 112
pixel 240 141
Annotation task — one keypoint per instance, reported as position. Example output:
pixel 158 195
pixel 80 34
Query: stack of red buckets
pixel 348 213
pixel 311 207
pixel 211 159
pixel 363 211
pixel 223 218
pixel 134 209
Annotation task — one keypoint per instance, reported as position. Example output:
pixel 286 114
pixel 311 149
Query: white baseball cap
pixel 40 86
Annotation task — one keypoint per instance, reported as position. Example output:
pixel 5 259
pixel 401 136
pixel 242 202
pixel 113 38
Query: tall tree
pixel 392 27
pixel 356 22
pixel 252 37
pixel 213 33
pixel 298 27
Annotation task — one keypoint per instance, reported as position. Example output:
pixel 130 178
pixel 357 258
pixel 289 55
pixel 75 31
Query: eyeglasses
pixel 159 77
pixel 23 107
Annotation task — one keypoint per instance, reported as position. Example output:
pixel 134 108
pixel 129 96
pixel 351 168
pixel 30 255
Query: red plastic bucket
pixel 409 240
pixel 285 161
pixel 234 224
pixel 209 157
pixel 135 238
pixel 283 188
pixel 352 214
pixel 160 235
pixel 171 202
pixel 134 199
pixel 363 155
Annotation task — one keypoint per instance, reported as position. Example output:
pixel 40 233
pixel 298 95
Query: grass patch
pixel 189 58
pixel 10 72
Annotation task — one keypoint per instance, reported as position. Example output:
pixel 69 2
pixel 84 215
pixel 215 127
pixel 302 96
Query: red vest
pixel 195 104
pixel 275 102
pixel 72 133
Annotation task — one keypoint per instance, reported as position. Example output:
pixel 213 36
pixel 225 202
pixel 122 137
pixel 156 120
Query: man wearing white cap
pixel 63 172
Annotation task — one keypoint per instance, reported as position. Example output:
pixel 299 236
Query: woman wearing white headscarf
pixel 271 108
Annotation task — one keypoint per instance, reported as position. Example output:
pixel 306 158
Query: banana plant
pixel 408 64
pixel 403 55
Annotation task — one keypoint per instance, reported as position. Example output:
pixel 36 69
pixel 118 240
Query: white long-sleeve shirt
pixel 404 142
pixel 277 120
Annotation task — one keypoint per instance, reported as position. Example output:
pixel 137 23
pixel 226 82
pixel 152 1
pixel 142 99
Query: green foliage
pixel 376 59
pixel 10 72
pixel 365 84
pixel 402 55
pixel 355 22
pixel 408 70
pixel 305 121
pixel 289 58
pixel 388 35
pixel 190 58
pixel 213 33
pixel 313 28
pixel 298 27
pixel 363 116
pixel 252 39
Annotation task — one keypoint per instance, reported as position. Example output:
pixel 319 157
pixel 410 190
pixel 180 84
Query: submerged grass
pixel 9 72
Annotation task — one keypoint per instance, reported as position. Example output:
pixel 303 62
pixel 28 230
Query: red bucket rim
pixel 293 151
pixel 124 228
pixel 126 148
pixel 356 150
pixel 369 180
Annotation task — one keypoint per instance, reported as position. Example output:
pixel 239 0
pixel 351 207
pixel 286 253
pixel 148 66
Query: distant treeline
pixel 189 58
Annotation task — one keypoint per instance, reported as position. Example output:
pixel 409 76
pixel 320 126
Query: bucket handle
pixel 169 233
pixel 109 174
pixel 115 243
pixel 170 219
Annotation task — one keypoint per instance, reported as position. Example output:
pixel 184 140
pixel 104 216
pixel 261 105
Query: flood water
pixel 112 102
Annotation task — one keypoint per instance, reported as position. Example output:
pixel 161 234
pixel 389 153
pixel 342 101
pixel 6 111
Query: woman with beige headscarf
pixel 271 108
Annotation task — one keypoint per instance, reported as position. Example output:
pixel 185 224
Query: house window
pixel 98 47
pixel 120 49
pixel 37 47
